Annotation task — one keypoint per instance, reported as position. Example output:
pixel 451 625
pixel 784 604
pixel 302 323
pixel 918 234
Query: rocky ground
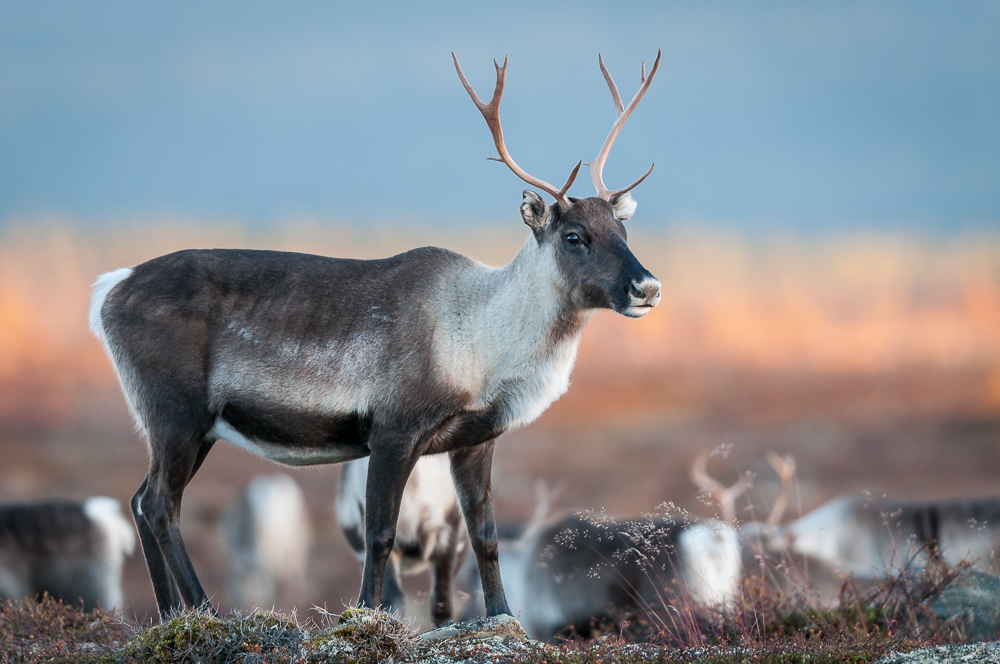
pixel 51 632
pixel 977 653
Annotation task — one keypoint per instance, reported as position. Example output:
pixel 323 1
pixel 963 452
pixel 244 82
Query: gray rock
pixel 977 653
pixel 973 598
pixel 484 628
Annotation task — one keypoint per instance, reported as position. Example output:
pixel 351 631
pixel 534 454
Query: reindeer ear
pixel 623 206
pixel 534 211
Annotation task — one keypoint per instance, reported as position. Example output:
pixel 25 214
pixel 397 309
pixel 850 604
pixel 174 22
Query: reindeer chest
pixel 503 395
pixel 517 390
pixel 525 396
pixel 505 343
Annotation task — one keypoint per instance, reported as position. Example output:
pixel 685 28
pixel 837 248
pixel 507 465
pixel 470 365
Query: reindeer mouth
pixel 636 310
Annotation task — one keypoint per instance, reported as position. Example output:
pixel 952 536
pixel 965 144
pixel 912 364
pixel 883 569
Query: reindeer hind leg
pixel 447 559
pixel 175 459
pixel 393 595
pixel 168 598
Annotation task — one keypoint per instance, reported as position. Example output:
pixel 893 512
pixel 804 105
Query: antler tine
pixel 727 502
pixel 544 497
pixel 569 181
pixel 785 468
pixel 700 477
pixel 491 113
pixel 611 83
pixel 724 496
pixel 597 166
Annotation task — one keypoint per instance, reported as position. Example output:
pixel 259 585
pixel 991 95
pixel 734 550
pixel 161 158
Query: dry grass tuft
pixel 364 636
pixel 257 637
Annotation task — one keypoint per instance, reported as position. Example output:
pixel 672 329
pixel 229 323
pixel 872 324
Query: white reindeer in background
pixel 268 536
pixel 429 532
pixel 861 538
pixel 763 552
pixel 870 536
pixel 71 550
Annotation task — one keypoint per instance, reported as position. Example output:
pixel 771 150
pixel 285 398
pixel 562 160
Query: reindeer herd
pixel 407 370
pixel 560 568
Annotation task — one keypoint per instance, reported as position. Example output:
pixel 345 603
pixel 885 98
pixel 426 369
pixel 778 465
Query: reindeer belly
pixel 292 437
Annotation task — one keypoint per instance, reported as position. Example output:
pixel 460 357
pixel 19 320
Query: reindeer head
pixel 585 236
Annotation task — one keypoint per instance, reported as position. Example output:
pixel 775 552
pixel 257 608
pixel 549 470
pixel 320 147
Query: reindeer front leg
pixel 388 469
pixel 470 470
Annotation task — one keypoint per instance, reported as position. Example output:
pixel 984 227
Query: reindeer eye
pixel 573 238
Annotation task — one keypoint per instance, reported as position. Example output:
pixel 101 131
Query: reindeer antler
pixel 544 497
pixel 491 112
pixel 597 166
pixel 724 496
pixel 785 467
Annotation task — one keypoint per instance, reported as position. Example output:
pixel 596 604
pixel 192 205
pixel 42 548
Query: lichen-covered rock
pixel 974 598
pixel 483 628
pixel 364 636
pixel 977 653
pixel 495 639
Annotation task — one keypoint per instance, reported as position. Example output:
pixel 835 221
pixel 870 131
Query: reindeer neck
pixel 528 298
pixel 511 331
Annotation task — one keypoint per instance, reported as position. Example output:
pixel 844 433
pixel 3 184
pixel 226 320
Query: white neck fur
pixel 509 331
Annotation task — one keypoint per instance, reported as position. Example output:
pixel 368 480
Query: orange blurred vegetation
pixel 843 351
pixel 864 304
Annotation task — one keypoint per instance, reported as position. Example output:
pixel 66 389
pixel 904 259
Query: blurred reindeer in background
pixel 763 552
pixel 268 537
pixel 856 539
pixel 70 550
pixel 870 536
pixel 571 571
pixel 429 532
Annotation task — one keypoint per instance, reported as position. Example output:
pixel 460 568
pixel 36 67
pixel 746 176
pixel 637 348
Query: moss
pixel 198 636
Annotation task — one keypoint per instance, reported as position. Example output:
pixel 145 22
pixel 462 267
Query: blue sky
pixel 814 117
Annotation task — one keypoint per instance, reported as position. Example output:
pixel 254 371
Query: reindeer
pixel 429 533
pixel 862 536
pixel 572 569
pixel 765 558
pixel 268 536
pixel 308 360
pixel 859 539
pixel 70 550
pixel 869 536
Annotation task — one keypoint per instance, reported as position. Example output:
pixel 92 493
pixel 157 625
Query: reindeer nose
pixel 646 291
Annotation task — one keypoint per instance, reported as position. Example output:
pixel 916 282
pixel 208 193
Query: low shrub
pixel 50 630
